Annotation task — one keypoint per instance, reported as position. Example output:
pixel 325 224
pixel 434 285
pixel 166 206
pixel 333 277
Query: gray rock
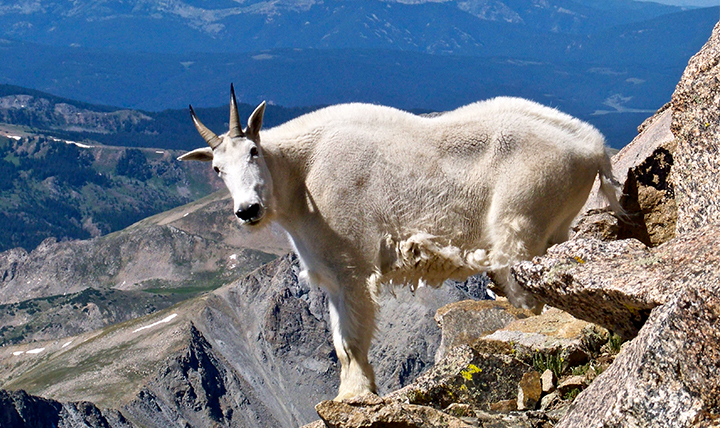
pixel 617 284
pixel 466 321
pixel 549 400
pixel 554 332
pixel 667 376
pixel 377 413
pixel 696 126
pixel 460 410
pixel 527 419
pixel 549 381
pixel 597 223
pixel 573 382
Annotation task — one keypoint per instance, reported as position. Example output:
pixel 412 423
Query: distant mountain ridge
pixel 179 26
pixel 65 118
pixel 610 63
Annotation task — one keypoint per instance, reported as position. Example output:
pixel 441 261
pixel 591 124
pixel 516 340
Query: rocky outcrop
pixel 667 376
pixel 491 379
pixel 468 320
pixel 467 375
pixel 658 282
pixel 21 410
pixel 648 195
pixel 696 126
pixel 617 284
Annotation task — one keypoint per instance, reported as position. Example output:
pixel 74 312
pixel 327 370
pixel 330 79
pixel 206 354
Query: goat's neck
pixel 288 161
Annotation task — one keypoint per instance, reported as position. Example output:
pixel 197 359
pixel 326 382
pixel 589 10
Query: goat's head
pixel 237 158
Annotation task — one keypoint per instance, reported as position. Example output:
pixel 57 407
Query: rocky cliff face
pixel 20 410
pixel 70 287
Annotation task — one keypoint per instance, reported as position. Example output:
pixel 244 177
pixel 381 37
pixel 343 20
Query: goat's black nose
pixel 249 213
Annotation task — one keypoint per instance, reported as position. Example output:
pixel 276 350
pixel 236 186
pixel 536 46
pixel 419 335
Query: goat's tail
pixel 609 186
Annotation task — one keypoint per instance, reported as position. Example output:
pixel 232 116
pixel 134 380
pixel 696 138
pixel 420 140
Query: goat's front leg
pixel 352 315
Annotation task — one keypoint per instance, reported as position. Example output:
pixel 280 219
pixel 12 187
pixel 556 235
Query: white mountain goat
pixel 372 195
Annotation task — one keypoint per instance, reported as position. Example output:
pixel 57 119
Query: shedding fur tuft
pixel 422 259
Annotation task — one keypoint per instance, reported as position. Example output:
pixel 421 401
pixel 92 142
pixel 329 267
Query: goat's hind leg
pixel 514 240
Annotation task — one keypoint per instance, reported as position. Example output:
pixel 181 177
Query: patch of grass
pixel 615 343
pixel 580 370
pixel 572 394
pixel 201 282
pixel 553 362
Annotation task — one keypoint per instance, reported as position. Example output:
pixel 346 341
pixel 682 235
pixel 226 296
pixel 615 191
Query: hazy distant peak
pixel 490 10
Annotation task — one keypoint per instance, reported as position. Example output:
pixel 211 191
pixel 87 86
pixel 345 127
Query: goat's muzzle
pixel 251 213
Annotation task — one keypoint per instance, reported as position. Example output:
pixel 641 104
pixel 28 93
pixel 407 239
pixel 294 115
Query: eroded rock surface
pixel 617 284
pixel 667 376
pixel 696 126
pixel 468 320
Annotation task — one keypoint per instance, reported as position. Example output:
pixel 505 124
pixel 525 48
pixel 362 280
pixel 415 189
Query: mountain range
pixel 450 26
pixel 72 160
pixel 112 318
pixel 127 315
pixel 610 63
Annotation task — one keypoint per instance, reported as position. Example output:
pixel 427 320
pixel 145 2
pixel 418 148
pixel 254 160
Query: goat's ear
pixel 255 123
pixel 204 154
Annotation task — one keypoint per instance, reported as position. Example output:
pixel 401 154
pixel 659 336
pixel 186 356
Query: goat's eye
pixel 254 152
pixel 217 170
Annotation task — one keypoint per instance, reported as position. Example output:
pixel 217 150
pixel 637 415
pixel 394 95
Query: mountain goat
pixel 372 195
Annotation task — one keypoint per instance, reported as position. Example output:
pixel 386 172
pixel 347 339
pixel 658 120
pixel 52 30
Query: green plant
pixel 599 369
pixel 553 362
pixel 572 394
pixel 615 343
pixel 580 370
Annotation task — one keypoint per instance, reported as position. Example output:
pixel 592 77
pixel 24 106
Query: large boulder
pixel 667 376
pixel 696 126
pixel 466 321
pixel 616 284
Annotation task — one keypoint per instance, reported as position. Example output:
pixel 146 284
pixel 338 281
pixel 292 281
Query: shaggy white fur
pixel 372 195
